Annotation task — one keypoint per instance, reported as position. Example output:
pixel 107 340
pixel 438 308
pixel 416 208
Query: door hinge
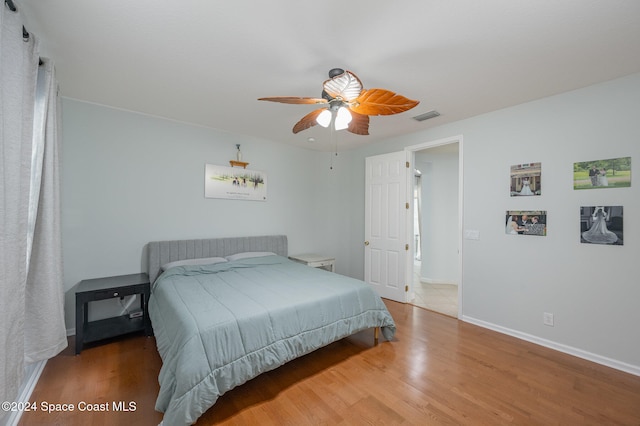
pixel 406 205
pixel 407 164
pixel 406 288
pixel 406 246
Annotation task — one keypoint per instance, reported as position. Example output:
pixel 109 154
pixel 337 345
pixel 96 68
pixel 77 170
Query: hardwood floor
pixel 438 370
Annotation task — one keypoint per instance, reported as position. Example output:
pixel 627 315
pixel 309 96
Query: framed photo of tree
pixel 234 183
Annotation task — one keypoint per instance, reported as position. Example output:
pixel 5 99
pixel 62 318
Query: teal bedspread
pixel 217 326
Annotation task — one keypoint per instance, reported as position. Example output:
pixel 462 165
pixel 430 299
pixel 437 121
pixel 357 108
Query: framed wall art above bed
pixel 234 183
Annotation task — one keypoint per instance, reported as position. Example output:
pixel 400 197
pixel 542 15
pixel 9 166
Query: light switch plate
pixel 471 234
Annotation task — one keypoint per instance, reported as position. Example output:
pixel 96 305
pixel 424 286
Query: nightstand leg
pixel 81 318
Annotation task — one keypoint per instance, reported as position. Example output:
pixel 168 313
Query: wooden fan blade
pixel 381 102
pixel 294 100
pixel 359 124
pixel 346 86
pixel 308 120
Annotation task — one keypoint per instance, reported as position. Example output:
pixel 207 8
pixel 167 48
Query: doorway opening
pixel 436 228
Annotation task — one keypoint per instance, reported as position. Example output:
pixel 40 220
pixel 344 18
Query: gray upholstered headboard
pixel 161 252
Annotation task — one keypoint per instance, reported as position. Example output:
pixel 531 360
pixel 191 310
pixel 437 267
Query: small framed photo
pixel 602 225
pixel 526 179
pixel 601 174
pixel 519 222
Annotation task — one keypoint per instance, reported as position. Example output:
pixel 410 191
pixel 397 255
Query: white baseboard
pixel 71 331
pixel 598 359
pixel 29 384
pixel 436 281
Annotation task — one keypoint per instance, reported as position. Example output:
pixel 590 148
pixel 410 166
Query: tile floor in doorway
pixel 436 297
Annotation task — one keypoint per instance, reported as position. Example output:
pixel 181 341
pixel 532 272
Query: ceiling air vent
pixel 426 115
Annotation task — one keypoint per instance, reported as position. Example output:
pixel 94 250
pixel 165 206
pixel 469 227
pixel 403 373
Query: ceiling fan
pixel 349 105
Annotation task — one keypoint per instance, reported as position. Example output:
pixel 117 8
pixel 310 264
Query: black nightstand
pixel 108 288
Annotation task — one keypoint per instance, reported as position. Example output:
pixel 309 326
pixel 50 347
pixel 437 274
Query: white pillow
pixel 248 254
pixel 201 261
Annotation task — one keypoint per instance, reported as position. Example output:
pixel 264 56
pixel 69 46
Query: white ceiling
pixel 206 62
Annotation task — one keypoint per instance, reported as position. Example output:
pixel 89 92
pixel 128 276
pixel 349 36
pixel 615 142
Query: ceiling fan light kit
pixel 349 104
pixel 343 118
pixel 324 118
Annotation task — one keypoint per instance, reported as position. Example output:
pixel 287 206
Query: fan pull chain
pixel 331 155
pixel 333 139
pixel 335 144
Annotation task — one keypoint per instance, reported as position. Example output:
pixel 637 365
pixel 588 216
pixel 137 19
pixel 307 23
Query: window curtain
pixel 18 80
pixel 45 331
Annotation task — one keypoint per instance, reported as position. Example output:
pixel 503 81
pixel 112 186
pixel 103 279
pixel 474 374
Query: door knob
pixel 366 243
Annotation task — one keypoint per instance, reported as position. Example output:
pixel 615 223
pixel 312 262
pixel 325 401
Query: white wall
pixel 439 215
pixel 128 179
pixel 508 282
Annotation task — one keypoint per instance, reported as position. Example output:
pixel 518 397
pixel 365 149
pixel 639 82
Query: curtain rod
pixel 12 7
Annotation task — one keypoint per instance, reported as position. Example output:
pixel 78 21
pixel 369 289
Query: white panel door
pixel 385 220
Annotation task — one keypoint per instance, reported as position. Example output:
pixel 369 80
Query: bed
pixel 225 310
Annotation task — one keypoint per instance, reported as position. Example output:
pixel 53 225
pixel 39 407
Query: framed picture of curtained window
pixel 234 183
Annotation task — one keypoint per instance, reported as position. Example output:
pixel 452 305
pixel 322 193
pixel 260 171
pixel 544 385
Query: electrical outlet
pixel 547 319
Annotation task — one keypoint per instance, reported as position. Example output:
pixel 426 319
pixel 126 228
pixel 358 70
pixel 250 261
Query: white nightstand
pixel 315 261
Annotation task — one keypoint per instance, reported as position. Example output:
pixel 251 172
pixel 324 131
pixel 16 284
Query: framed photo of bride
pixel 520 222
pixel 601 225
pixel 526 179
pixel 600 174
